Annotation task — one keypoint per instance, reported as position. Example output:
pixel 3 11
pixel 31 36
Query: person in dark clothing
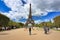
pixel 29 31
pixel 46 29
pixel 29 25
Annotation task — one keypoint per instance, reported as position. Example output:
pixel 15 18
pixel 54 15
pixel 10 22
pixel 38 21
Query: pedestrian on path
pixel 29 26
pixel 46 29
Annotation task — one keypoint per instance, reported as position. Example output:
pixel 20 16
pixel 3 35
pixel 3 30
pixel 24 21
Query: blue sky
pixel 16 15
pixel 3 7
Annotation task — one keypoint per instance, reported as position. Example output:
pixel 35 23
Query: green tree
pixel 4 20
pixel 49 24
pixel 57 21
pixel 42 24
pixel 12 23
pixel 36 25
pixel 21 24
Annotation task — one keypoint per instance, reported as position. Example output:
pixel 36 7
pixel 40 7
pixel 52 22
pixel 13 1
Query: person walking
pixel 45 29
pixel 48 29
pixel 29 25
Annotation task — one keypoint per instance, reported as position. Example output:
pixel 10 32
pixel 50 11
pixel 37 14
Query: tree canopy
pixel 4 20
pixel 57 21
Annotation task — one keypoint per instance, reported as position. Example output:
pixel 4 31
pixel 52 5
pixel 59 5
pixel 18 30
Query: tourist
pixel 46 29
pixel 29 25
pixel 3 28
pixel 29 31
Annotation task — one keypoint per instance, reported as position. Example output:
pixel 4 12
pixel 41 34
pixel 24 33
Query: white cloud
pixel 46 20
pixel 38 21
pixel 19 11
pixel 52 20
pixel 39 7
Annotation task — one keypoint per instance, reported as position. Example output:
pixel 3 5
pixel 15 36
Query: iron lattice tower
pixel 30 20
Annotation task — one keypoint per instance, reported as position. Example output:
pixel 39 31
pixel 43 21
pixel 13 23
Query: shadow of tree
pixel 3 33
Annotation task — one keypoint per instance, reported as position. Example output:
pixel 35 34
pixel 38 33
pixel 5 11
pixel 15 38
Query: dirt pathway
pixel 21 34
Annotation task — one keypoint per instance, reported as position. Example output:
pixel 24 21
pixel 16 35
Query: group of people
pixel 3 28
pixel 46 29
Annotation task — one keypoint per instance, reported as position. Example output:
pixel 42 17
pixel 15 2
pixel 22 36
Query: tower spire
pixel 30 11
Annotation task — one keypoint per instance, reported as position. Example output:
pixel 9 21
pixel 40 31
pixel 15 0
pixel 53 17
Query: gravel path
pixel 22 34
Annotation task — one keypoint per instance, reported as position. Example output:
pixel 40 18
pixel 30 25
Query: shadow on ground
pixel 3 33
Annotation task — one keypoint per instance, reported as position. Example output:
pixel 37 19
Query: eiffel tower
pixel 30 20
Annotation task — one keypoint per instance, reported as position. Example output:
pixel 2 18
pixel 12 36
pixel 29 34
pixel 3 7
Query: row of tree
pixel 56 23
pixel 6 22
